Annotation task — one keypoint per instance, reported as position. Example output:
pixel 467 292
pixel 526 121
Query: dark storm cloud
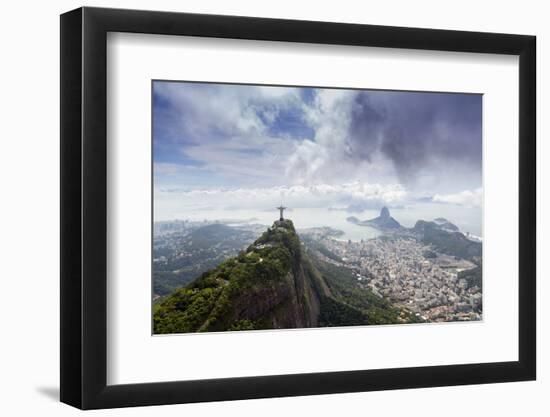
pixel 417 131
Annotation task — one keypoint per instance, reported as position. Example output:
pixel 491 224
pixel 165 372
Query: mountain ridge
pixel 441 234
pixel 447 241
pixel 270 285
pixel 274 284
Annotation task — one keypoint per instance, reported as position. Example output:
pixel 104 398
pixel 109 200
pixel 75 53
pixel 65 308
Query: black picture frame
pixel 84 207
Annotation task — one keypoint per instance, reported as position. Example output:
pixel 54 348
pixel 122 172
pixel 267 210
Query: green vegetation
pixel 243 325
pixel 473 277
pixel 182 257
pixel 318 246
pixel 164 282
pixel 450 243
pixel 273 284
pixel 334 313
pixel 356 299
pixel 233 295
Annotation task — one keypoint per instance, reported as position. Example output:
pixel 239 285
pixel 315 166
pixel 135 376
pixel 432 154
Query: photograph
pixel 287 207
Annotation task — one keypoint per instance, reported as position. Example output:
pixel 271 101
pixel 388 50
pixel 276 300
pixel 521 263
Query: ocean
pixel 469 220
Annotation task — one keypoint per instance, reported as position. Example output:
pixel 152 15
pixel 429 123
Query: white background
pixel 133 60
pixel 29 165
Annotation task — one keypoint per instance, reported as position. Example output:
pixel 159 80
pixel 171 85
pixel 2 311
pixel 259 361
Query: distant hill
pixel 212 234
pixel 181 257
pixel 444 236
pixel 273 284
pixel 384 221
pixel 446 225
pixel 447 242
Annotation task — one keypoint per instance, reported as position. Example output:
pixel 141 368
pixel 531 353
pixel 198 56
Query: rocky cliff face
pixel 271 285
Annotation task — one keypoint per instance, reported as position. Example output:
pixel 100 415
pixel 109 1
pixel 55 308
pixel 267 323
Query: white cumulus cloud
pixel 297 196
pixel 468 198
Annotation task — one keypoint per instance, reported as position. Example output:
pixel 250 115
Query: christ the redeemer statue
pixel 281 209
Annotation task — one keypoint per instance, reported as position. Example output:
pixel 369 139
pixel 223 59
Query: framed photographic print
pixel 258 207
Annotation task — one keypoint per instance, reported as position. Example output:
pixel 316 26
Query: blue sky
pixel 316 147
